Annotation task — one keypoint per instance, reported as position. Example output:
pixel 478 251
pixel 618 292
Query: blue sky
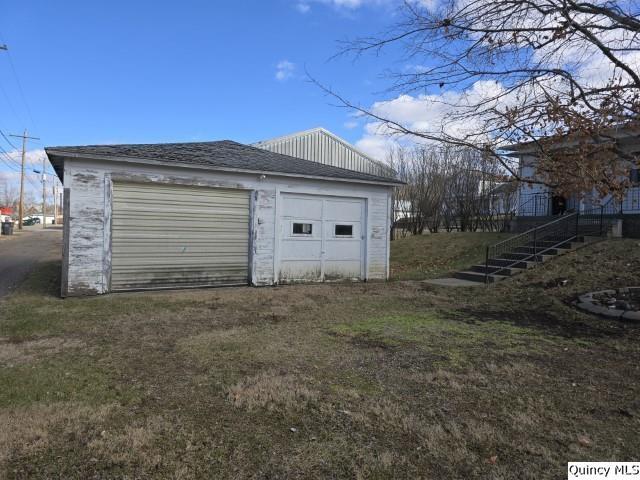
pixel 147 71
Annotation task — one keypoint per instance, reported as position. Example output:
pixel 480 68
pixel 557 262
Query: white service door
pixel 321 238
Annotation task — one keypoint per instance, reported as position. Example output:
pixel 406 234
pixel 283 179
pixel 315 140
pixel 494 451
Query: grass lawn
pixel 418 257
pixel 378 380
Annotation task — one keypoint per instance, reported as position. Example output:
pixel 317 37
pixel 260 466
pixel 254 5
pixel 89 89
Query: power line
pixel 7 139
pixel 11 107
pixel 15 76
pixel 8 160
pixel 11 167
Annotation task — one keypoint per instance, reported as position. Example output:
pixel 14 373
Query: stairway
pixel 535 246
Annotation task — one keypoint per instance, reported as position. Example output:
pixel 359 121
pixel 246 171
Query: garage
pixel 168 236
pixel 210 214
pixel 321 238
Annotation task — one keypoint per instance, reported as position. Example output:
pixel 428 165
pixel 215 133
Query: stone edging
pixel 586 302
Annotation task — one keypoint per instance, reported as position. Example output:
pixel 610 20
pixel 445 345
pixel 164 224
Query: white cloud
pixel 33 161
pixel 305 5
pixel 284 70
pixel 350 124
pixel 434 114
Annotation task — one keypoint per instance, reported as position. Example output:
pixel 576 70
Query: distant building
pixel 321 146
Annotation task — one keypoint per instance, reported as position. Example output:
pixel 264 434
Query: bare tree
pixel 449 187
pixel 523 71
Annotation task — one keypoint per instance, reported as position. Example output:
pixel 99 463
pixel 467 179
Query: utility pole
pixel 24 137
pixel 55 203
pixel 44 195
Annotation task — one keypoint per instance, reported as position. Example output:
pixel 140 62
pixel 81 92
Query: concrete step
pixel 547 251
pixel 578 239
pixel 526 257
pixel 550 243
pixel 510 262
pixel 497 270
pixel 478 277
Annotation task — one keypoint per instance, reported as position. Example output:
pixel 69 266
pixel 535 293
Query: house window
pixel 634 176
pixel 302 228
pixel 344 231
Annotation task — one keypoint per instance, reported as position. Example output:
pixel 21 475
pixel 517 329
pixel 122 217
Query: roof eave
pixel 148 161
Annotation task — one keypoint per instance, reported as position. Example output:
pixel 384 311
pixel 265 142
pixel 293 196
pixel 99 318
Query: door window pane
pixel 344 231
pixel 302 228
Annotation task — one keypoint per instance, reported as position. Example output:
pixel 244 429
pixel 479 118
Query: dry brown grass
pixel 395 380
pixel 18 353
pixel 25 431
pixel 273 391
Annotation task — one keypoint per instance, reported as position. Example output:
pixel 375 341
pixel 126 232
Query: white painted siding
pixel 89 219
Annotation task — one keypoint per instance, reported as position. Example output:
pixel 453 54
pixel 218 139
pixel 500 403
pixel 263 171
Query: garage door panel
pixel 179 247
pixel 337 270
pixel 186 212
pixel 300 271
pixel 218 223
pixel 166 236
pixel 292 249
pixel 342 210
pixel 301 207
pixel 343 250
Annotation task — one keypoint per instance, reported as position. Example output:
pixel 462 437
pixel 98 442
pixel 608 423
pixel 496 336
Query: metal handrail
pixel 564 217
pixel 536 199
pixel 560 231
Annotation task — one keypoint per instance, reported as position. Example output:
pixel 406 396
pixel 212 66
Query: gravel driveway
pixel 20 253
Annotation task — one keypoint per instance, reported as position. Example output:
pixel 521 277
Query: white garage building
pixel 154 216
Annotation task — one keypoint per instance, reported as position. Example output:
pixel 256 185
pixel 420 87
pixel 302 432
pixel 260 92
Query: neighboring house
pixel 540 200
pixel 498 197
pixel 215 213
pixel 321 146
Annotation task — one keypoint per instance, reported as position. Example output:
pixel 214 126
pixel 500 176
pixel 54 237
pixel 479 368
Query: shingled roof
pixel 220 155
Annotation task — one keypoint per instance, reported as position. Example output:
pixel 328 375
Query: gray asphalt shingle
pixel 220 154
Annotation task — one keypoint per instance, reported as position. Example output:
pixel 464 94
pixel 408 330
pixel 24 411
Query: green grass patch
pixel 60 379
pixel 456 340
pixel 419 257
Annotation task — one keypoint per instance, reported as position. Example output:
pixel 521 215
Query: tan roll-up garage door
pixel 171 236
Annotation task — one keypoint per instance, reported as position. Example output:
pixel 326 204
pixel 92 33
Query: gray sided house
pixel 536 200
pixel 155 216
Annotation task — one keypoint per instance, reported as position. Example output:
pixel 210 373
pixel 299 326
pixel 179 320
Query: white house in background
pixel 263 218
pixel 540 200
pixel 321 146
